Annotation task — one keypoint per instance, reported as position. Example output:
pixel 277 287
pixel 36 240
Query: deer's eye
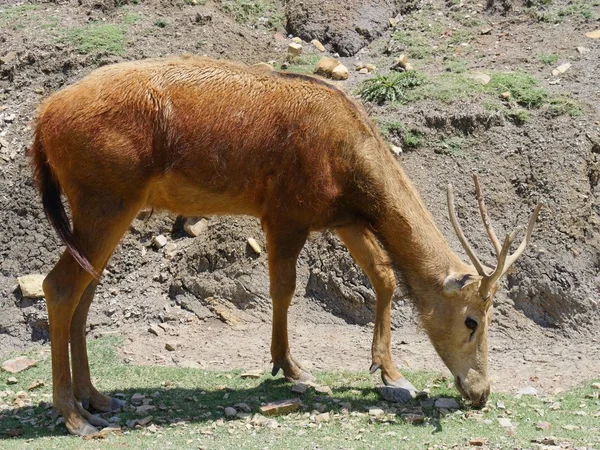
pixel 471 323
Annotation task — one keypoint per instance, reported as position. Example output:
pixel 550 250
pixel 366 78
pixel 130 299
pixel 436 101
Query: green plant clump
pixel 253 13
pixel 548 59
pixel 95 38
pixel 522 87
pixel 384 88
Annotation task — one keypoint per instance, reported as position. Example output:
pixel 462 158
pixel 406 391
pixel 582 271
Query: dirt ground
pixel 211 293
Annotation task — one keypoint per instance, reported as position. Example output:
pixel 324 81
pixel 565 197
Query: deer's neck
pixel 416 246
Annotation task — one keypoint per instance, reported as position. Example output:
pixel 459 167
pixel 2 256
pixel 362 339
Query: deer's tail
pixel 50 191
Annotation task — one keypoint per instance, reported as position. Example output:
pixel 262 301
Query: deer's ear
pixel 456 282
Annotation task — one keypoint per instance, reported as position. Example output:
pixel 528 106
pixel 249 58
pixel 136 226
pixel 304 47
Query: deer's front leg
pixel 369 255
pixel 283 245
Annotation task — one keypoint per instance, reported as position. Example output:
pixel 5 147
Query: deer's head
pixel 458 323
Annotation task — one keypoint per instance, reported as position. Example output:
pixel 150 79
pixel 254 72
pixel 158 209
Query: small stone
pixel 363 71
pixel 505 422
pixel 340 72
pixel 324 417
pixel 561 69
pixel 397 394
pixel 294 50
pixel 582 50
pixel 394 21
pixel 500 404
pixel 596 385
pixel 543 425
pixel 159 241
pixel 253 374
pixel 170 251
pixel 326 390
pixel 359 65
pixel 155 330
pixel 144 409
pixel 281 407
pixel 137 398
pixel 376 412
pixel 593 34
pixel 318 45
pixel 230 412
pixel 299 388
pixel 170 346
pixel 370 67
pixel 413 418
pixel 10 56
pixel 408 67
pixel 549 440
pixel 254 246
pixel 243 407
pixel 528 390
pixel 400 63
pixel 31 285
pixel 446 403
pixel 297 40
pixel 9 118
pixel 480 77
pixel 478 442
pixel 36 384
pixel 486 30
pixel 326 65
pixel 12 380
pixel 18 364
pixel 506 95
pixel 195 226
pixel 131 423
pixel 395 149
pixel 145 421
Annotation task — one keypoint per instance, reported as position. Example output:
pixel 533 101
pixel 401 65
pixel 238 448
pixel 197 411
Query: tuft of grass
pixel 161 22
pixel 254 13
pixel 411 138
pixel 522 86
pixel 130 18
pixel 560 105
pixel 447 88
pixel 518 116
pixel 304 64
pixel 94 38
pixel 392 87
pixel 548 59
pixel 18 17
pixel 457 66
pixel 451 146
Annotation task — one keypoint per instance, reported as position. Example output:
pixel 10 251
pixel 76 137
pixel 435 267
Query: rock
pixel 36 384
pixel 505 422
pixel 299 388
pixel 480 77
pixel 297 40
pixel 363 71
pixel 137 398
pixel 561 69
pixel 9 57
pixel 358 66
pixel 10 118
pixel 145 421
pixel 230 412
pixel 170 251
pixel 478 442
pixel 370 67
pixel 254 246
pixel 195 226
pixel 549 440
pixel 318 45
pixel 397 394
pixel 144 409
pixel 12 380
pixel 376 412
pixel 528 390
pixel 408 67
pixel 18 364
pixel 131 423
pixel 543 425
pixel 155 330
pixel 506 95
pixel 254 374
pixel 326 390
pixel 394 21
pixel 243 407
pixel 582 50
pixel 324 417
pixel 400 63
pixel 31 285
pixel 281 407
pixel 326 65
pixel 413 418
pixel 500 404
pixel 596 385
pixel 395 149
pixel 171 346
pixel 159 241
pixel 340 73
pixel 446 403
pixel 486 30
pixel 593 34
pixel 294 50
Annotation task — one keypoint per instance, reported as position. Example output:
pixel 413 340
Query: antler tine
pixel 461 237
pixel 512 258
pixel 488 282
pixel 484 216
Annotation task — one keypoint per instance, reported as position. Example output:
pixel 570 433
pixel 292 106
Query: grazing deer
pixel 199 137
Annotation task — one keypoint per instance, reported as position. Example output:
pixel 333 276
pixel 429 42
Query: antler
pixel 505 261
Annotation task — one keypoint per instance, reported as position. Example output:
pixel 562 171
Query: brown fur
pixel 199 137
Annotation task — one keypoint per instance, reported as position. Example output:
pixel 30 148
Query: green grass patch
pixel 410 138
pixel 95 38
pixel 548 59
pixel 161 22
pixel 518 116
pixel 304 64
pixel 560 105
pixel 523 87
pixel 190 412
pixel 254 13
pixel 131 18
pixel 457 66
pixel 447 88
pixel 451 146
pixel 18 17
pixel 390 88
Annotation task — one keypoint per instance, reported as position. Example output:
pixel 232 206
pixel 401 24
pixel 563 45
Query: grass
pixel 548 59
pixel 18 17
pixel 254 13
pixel 191 401
pixel 161 22
pixel 411 138
pixel 95 38
pixel 544 11
pixel 304 64
pixel 390 88
pixel 522 86
pixel 451 146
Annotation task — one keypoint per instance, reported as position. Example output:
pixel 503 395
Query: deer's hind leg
pixel 97 226
pixel 283 244
pixel 369 255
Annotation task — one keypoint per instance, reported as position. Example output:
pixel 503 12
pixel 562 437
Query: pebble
pixel 561 69
pixel 299 388
pixel 505 422
pixel 12 380
pixel 593 34
pixel 19 364
pixel 170 346
pixel 137 398
pixel 582 50
pixel 370 67
pixel 506 95
pixel 243 407
pixel 294 49
pixel 446 403
pixel 543 425
pixel 36 384
pixel 528 390
pixel 297 40
pixel 480 77
pixel 323 390
pixel 230 412
pixel 326 65
pixel 144 409
pixel 253 374
pixel 31 285
pixel 318 45
pixel 340 73
pixel 396 394
pixel 363 71
pixel 395 149
pixel 281 407
pixel 195 226
pixel 376 412
pixel 155 330
pixel 486 30
pixel 159 241
pixel 478 442
pixel 254 246
pixel 324 417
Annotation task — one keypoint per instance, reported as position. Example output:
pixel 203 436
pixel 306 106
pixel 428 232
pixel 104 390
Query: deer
pixel 200 137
